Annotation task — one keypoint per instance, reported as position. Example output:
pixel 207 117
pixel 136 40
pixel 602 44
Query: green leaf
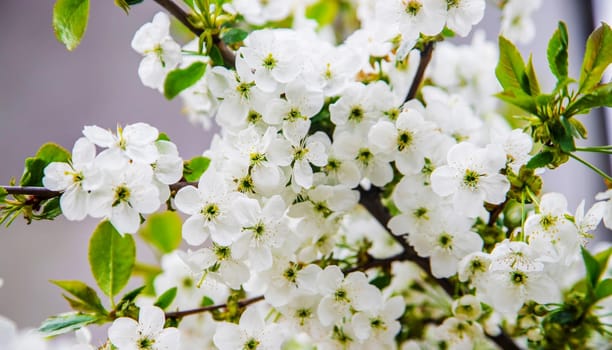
pixel 163 231
pixel 601 96
pixel 131 295
pixel 604 289
pixel 532 79
pixel 234 35
pixel 111 258
pixel 597 57
pixel 593 270
pixel 70 21
pixel 166 298
pixel 324 12
pixel 87 296
pixel 194 168
pixel 564 135
pixel 180 79
pixel 50 209
pixel 215 56
pixel 3 194
pixel 65 323
pixel 510 70
pixel 523 101
pixel 540 160
pixel 557 52
pixel 162 136
pixel 35 166
pixel 207 301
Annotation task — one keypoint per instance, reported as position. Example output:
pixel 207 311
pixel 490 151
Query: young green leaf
pixel 70 21
pixel 600 96
pixel 131 295
pixel 557 52
pixel 564 135
pixel 65 323
pixel 35 166
pixel 87 296
pixel 111 258
pixel 532 79
pixel 597 57
pixel 166 298
pixel 215 56
pixel 593 270
pixel 163 231
pixel 180 79
pixel 540 160
pixel 510 70
pixel 234 35
pixel 195 167
pixel 604 289
pixel 3 194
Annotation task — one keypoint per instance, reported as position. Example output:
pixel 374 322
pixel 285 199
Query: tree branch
pixel 426 54
pixel 242 303
pixel 44 193
pixel 371 201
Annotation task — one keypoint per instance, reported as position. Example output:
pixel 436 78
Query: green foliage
pixel 35 166
pixel 70 21
pixel 180 79
pixel 540 160
pixel 323 11
pixel 552 124
pixel 215 56
pixel 166 298
pixel 163 231
pixel 593 270
pixel 597 57
pixel 65 323
pixel 234 36
pixel 194 168
pixel 604 289
pixel 84 298
pixel 557 52
pixel 599 96
pixel 111 258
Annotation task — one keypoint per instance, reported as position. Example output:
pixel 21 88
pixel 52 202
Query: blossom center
pixel 210 211
pixel 471 179
pixel 145 343
pixel 404 140
pixel 365 156
pixel 356 114
pixel 413 7
pixel 122 193
pixel 251 344
pixel 269 62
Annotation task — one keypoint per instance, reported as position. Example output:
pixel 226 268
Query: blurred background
pixel 49 94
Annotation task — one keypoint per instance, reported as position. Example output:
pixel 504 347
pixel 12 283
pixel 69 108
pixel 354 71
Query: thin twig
pixel 242 303
pixel 426 54
pixel 496 212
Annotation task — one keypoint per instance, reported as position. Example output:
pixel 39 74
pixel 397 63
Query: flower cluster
pixel 343 181
pixel 129 177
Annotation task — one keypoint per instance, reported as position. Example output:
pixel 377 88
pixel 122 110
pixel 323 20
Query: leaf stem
pixel 597 149
pixel 592 167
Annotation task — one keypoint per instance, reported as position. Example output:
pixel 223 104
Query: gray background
pixel 49 94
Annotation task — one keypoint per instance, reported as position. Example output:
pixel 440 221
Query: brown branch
pixel 44 193
pixel 178 13
pixel 371 201
pixel 496 212
pixel 426 54
pixel 175 10
pixel 242 303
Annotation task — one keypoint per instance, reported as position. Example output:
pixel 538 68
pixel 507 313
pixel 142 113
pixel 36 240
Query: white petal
pixel 74 203
pixel 125 218
pixel 123 332
pixel 151 321
pixel 99 136
pixel 194 230
pixel 188 200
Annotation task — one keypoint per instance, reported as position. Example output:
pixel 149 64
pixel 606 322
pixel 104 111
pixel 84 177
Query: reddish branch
pixel 426 54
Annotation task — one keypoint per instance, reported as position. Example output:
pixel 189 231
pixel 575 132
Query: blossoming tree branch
pixel 373 185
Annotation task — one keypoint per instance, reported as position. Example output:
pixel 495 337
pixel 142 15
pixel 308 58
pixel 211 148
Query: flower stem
pixel 592 167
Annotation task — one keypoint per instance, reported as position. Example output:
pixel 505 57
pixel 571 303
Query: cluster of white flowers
pixel 129 177
pixel 305 125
